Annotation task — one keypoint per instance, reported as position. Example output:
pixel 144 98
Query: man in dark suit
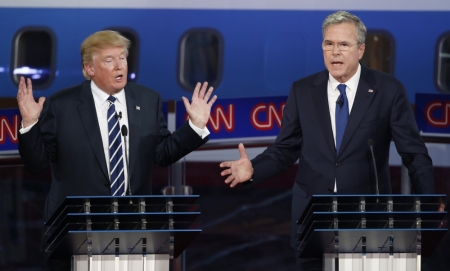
pixel 70 130
pixel 327 122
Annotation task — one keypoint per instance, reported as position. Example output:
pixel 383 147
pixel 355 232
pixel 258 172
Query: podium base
pixel 130 262
pixel 372 262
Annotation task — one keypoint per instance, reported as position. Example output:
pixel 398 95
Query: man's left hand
pixel 199 108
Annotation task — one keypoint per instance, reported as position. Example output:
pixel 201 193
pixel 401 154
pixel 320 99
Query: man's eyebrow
pixel 339 42
pixel 124 52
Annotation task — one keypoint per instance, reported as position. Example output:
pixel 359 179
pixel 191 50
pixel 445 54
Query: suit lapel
pixel 88 116
pixel 320 98
pixel 134 123
pixel 363 98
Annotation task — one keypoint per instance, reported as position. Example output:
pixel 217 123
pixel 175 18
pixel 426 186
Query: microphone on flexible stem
pixel 340 101
pixel 370 143
pixel 124 131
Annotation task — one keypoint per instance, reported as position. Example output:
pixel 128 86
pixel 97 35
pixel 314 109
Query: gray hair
pixel 345 17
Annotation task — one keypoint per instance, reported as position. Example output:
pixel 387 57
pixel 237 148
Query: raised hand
pixel 238 171
pixel 29 108
pixel 200 108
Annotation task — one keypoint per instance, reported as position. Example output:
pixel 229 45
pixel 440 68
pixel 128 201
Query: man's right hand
pixel 29 108
pixel 238 171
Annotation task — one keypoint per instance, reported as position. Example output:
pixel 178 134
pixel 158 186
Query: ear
pixel 89 68
pixel 361 50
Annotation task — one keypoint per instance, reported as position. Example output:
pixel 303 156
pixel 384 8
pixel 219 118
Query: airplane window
pixel 34 56
pixel 133 51
pixel 443 64
pixel 379 52
pixel 200 58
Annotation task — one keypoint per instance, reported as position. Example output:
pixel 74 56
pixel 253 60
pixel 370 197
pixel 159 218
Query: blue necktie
pixel 117 175
pixel 341 115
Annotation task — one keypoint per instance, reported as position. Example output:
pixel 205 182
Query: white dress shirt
pixel 101 107
pixel 333 94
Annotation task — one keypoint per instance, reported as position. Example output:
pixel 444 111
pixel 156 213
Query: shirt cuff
pixel 24 130
pixel 201 132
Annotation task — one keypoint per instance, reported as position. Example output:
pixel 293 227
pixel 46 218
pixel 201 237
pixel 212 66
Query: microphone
pixel 124 131
pixel 370 143
pixel 340 101
pixel 119 115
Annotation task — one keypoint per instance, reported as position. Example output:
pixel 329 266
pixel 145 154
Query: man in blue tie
pixel 328 120
pixel 84 130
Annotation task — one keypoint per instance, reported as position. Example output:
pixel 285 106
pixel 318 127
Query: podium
pixel 371 232
pixel 122 233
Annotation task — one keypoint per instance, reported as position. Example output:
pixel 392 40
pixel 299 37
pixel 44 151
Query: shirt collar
pixel 100 97
pixel 351 84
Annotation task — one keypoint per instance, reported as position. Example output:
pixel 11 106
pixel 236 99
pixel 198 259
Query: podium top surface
pixel 180 199
pixel 122 201
pixel 399 198
pixel 345 202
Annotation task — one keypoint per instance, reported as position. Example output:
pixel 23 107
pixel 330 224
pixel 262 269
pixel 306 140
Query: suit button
pixel 330 191
pixel 338 164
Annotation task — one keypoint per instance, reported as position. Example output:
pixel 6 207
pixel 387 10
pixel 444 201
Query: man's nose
pixel 335 50
pixel 119 65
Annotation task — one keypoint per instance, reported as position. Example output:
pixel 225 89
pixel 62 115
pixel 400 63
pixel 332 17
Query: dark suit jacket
pixel 67 136
pixel 306 135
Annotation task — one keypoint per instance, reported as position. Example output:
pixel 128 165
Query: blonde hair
pixel 98 41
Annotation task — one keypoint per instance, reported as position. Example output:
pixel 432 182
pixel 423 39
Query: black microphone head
pixel 340 101
pixel 370 142
pixel 124 130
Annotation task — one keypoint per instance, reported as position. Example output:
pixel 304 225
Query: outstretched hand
pixel 200 107
pixel 29 108
pixel 238 171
